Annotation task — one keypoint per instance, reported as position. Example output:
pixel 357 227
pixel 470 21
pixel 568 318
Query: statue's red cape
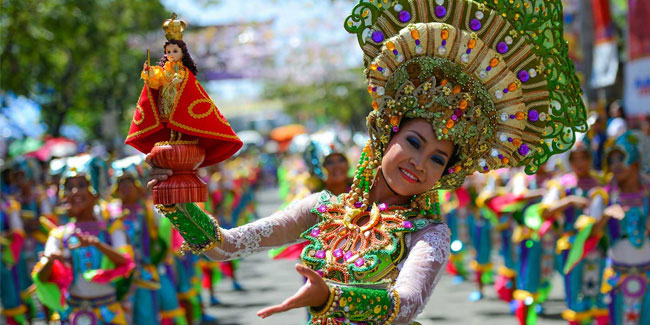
pixel 193 114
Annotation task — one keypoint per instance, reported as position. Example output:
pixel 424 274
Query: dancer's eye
pixel 438 160
pixel 414 142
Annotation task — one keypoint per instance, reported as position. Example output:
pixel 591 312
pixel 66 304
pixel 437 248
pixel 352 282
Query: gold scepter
pixel 148 63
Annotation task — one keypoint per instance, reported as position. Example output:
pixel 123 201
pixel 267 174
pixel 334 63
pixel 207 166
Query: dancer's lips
pixel 409 176
pixel 76 199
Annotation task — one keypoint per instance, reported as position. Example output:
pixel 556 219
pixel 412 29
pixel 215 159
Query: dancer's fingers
pixel 308 273
pixel 268 311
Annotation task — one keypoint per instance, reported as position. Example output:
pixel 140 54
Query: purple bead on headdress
pixel 502 47
pixel 440 11
pixel 378 36
pixel 404 16
pixel 524 149
pixel 475 24
pixel 523 75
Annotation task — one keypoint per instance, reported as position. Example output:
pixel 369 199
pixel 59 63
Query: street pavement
pixel 267 282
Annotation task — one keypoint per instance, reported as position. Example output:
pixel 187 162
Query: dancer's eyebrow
pixel 439 151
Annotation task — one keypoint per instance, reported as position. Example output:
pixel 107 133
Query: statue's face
pixel 173 52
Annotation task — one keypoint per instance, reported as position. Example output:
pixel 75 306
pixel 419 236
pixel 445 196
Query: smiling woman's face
pixel 415 159
pixel 337 168
pixel 76 192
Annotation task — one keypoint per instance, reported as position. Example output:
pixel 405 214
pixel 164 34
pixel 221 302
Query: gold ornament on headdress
pixel 174 28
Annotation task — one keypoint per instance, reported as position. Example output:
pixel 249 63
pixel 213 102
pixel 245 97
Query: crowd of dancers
pixel 514 231
pixel 95 221
pixel 110 255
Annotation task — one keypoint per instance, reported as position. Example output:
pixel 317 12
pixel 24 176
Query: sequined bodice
pixel 350 245
pixel 637 211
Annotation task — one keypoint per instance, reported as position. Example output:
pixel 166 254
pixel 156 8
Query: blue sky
pixel 296 22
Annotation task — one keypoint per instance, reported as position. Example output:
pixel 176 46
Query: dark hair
pixel 187 58
pixel 453 160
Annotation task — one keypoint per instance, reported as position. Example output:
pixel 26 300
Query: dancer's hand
pixel 580 202
pixel 55 256
pixel 313 293
pixel 86 239
pixel 156 174
pixel 614 211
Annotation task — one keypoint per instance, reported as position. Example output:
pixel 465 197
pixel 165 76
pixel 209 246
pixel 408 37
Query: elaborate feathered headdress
pixel 493 77
pixel 92 168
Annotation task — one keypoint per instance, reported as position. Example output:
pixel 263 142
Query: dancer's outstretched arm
pixel 202 233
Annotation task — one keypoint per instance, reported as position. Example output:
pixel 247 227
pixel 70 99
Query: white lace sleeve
pixel 421 271
pixel 282 227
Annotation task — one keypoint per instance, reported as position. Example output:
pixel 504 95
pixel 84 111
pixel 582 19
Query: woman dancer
pixel 83 258
pixel 458 87
pixel 567 202
pixel 627 228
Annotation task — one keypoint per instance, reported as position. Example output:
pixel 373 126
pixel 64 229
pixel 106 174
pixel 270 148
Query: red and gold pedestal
pixel 184 158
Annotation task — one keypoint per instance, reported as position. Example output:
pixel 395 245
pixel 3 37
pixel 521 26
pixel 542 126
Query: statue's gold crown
pixel 174 28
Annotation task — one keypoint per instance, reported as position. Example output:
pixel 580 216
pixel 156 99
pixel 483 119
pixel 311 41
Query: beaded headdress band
pixel 129 167
pixel 93 169
pixel 493 77
pixel 628 144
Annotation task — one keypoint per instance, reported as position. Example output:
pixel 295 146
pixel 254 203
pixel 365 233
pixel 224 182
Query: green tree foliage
pixel 346 101
pixel 73 56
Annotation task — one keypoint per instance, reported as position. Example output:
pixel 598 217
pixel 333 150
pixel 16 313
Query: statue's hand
pixel 147 70
pixel 156 174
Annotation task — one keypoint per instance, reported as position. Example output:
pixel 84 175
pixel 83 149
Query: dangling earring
pixel 359 197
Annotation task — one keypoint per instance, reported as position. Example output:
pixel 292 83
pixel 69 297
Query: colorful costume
pixel 153 296
pixel 480 225
pixel 582 282
pixel 13 265
pixel 501 210
pixel 455 209
pixel 627 276
pixel 321 145
pixel 535 251
pixel 82 288
pixel 484 80
pixel 27 236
